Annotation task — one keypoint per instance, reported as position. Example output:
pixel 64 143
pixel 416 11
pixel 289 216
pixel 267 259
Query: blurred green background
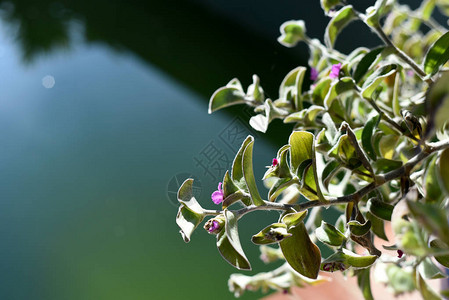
pixel 102 104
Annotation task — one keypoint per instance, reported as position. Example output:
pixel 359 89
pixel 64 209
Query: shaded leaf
pixel 377 226
pixel 367 136
pixel 359 229
pixel 301 253
pixel 439 246
pixel 380 209
pixel 292 84
pixel 237 167
pixel 339 87
pixel 363 280
pixel 443 170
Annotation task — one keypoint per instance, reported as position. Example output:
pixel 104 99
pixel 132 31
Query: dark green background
pixel 84 212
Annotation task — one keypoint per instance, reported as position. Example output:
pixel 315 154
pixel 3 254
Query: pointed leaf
pixel 228 243
pixel 376 79
pixel 363 280
pixel 247 162
pixel 301 253
pixel 228 95
pixel 437 55
pixel 293 219
pixel 380 209
pixel 359 229
pixel 440 246
pixel 367 136
pixel 271 234
pixel 190 213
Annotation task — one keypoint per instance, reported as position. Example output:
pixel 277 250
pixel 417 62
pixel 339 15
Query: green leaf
pixel 260 122
pixel 348 259
pixel 228 243
pixel 278 187
pixel 374 13
pixel 281 170
pixel 399 279
pixel 359 229
pixel 247 162
pixel 329 171
pixel 439 246
pixel 301 253
pixel 376 79
pixel 428 270
pixel 228 185
pixel 228 95
pixel 437 104
pixel 433 218
pixel 271 234
pixel 292 84
pixel 255 92
pixel 437 55
pixel 302 148
pixel 443 170
pixel 190 213
pixel 366 62
pixel 383 165
pixel 293 219
pixel 327 5
pixel 434 193
pixel 320 90
pixel 377 226
pixel 363 280
pixel 292 32
pixel 237 167
pixel 342 18
pixel 330 235
pixel 380 209
pixel 339 87
pixel 367 136
pixel 425 290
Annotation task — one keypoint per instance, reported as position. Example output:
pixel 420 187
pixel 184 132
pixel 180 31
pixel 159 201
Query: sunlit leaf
pixel 330 235
pixel 248 174
pixel 437 55
pixel 271 234
pixel 375 79
pixel 292 32
pixel 237 167
pixel 228 95
pixel 228 243
pixel 342 18
pixel 190 213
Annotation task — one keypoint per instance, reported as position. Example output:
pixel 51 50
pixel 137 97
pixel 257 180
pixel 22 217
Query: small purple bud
pixel 275 162
pixel 400 253
pixel 313 74
pixel 214 226
pixel 335 71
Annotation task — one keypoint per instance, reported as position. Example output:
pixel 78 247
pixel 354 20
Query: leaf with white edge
pixel 259 122
pixel 342 18
pixel 429 270
pixel 271 234
pixel 228 243
pixel 255 92
pixel 281 170
pixel 278 187
pixel 377 226
pixel 383 165
pixel 247 164
pixel 331 130
pixel 367 136
pixel 292 32
pixel 237 167
pixel 439 246
pixel 359 229
pixel 320 90
pixel 330 235
pixel 437 55
pixel 231 94
pixel 347 259
pixel 380 209
pixel 229 186
pixel 374 13
pixel 301 253
pixel 375 79
pixel 339 87
pixel 292 84
pixel 366 62
pixel 327 5
pixel 302 148
pixel 329 171
pixel 190 213
pixel 293 219
pixel 443 170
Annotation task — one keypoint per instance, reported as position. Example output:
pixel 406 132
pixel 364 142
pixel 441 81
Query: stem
pixel 354 197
